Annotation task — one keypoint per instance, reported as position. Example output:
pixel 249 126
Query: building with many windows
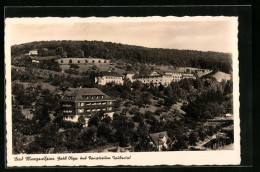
pixel 164 78
pixel 109 77
pixel 84 102
pixel 188 75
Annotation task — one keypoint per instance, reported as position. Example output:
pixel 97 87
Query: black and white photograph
pixel 111 91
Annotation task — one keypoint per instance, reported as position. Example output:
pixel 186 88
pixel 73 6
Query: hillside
pixel 222 76
pixel 128 53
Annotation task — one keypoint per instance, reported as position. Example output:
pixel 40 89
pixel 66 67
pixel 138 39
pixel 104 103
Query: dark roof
pixel 105 73
pixel 156 137
pixel 172 71
pixel 130 72
pixel 90 92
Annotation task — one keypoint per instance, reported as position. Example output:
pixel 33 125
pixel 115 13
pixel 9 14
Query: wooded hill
pixel 129 53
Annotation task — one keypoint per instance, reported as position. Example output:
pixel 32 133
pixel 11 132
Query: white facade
pixel 188 76
pixel 33 52
pixel 164 79
pixel 103 80
pixel 35 61
pixel 74 118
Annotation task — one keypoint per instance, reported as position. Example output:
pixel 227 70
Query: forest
pixel 128 54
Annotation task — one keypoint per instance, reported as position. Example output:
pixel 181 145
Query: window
pixel 99 61
pixel 93 61
pixel 66 105
pixel 70 61
pixel 78 61
pixel 86 61
pixel 80 104
pixel 105 61
pixel 80 110
pixel 61 61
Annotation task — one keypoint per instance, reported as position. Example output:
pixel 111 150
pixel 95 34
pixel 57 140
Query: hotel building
pixel 84 102
pixel 109 77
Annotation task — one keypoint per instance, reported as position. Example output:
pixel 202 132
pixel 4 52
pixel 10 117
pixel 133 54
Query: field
pixel 100 67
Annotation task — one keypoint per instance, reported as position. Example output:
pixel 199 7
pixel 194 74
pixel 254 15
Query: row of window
pixel 113 77
pixel 86 61
pixel 67 111
pixel 94 110
pixel 92 97
pixel 66 105
pixel 68 97
pixel 94 103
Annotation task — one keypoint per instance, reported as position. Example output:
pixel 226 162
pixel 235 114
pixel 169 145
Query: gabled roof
pixel 172 71
pixel 157 137
pixel 90 92
pixel 129 72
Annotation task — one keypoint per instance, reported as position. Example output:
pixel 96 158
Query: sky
pixel 194 35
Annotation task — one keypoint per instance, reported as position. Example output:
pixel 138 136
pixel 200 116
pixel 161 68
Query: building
pixel 155 77
pixel 84 102
pixel 82 61
pixel 33 53
pixel 188 75
pixel 109 77
pixel 165 78
pixel 129 75
pixel 176 75
pixel 159 140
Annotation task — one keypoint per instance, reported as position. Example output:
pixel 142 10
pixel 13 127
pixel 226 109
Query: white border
pixel 223 157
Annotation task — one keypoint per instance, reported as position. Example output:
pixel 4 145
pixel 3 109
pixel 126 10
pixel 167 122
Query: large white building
pixel 161 79
pixel 109 77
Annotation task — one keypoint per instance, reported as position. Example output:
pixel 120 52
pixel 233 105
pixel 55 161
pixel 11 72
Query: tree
pixel 94 67
pixel 193 138
pixel 228 88
pixel 89 135
pixel 105 130
pixel 146 98
pixel 41 115
pixel 94 120
pixel 60 52
pixel 124 129
pixel 74 66
pixel 82 120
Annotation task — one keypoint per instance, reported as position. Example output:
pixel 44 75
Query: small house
pixel 159 139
